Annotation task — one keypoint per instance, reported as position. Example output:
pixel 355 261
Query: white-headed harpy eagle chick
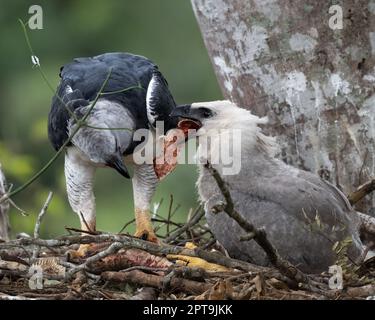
pixel 303 215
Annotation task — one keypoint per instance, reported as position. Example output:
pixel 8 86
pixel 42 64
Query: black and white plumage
pixel 303 215
pixel 90 148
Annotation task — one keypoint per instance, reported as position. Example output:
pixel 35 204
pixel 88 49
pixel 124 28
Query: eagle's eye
pixel 206 113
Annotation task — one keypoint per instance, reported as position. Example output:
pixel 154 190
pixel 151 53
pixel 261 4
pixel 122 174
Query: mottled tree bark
pixel 4 208
pixel 281 58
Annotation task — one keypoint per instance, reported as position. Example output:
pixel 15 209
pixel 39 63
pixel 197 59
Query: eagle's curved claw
pixel 82 252
pixel 86 250
pixel 147 235
pixel 144 229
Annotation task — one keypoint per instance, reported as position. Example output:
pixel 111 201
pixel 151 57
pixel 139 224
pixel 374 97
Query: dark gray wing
pixel 64 102
pixel 301 194
pixel 82 79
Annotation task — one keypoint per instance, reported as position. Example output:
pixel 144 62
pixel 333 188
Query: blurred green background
pixel 163 30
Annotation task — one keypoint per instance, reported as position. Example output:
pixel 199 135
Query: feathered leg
pixel 144 185
pixel 79 175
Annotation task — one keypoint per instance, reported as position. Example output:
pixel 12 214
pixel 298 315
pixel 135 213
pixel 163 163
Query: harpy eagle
pixel 303 215
pixel 108 136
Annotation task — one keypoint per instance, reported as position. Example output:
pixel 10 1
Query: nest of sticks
pixel 119 266
pixel 188 264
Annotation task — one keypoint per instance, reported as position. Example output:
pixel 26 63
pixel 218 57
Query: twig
pixel 132 242
pixel 41 214
pixel 138 86
pixel 361 192
pixel 87 226
pixel 10 257
pixel 364 291
pixel 164 221
pixel 25 274
pixel 126 225
pixel 39 221
pixel 259 235
pixel 4 208
pixel 13 204
pixel 79 122
pixel 69 229
pixel 113 248
pixel 169 214
pixel 367 223
pixel 199 213
pixel 151 280
pixel 62 148
pixel 175 210
pixel 4 296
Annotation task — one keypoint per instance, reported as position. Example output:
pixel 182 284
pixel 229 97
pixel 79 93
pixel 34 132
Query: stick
pixel 361 192
pixel 39 221
pixel 132 242
pixel 128 259
pixel 4 296
pixel 364 291
pixel 150 280
pixel 113 248
pixel 79 123
pixel 41 214
pixel 69 229
pixel 126 225
pixel 169 214
pixel 367 223
pixel 199 213
pixel 4 208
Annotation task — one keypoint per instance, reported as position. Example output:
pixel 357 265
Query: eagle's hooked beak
pixel 189 118
pixel 182 111
pixel 117 164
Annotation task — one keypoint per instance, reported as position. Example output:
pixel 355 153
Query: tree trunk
pixel 4 208
pixel 282 59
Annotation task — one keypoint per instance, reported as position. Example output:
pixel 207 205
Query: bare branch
pixel 39 221
pixel 41 214
pixel 113 248
pixel 199 213
pixel 361 192
pixel 145 279
pixel 4 208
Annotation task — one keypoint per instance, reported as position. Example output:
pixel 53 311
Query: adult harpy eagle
pixel 303 215
pixel 118 113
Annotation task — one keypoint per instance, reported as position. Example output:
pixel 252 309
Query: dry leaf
pixel 258 284
pixel 219 291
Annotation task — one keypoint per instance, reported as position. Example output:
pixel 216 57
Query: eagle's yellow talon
pixel 195 262
pixel 144 229
pixel 82 252
pixel 190 245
